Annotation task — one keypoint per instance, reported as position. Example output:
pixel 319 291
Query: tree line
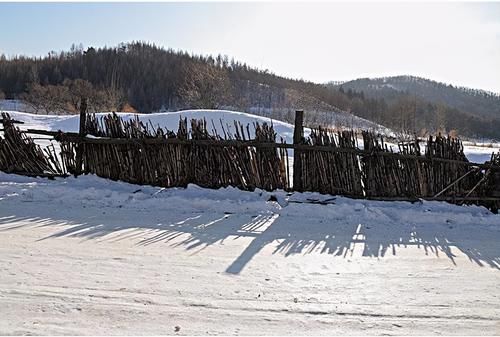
pixel 143 77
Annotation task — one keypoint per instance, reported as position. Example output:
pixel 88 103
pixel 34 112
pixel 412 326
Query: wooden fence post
pixel 298 135
pixel 83 115
pixel 82 133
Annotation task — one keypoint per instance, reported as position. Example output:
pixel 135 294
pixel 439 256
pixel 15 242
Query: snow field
pixel 91 256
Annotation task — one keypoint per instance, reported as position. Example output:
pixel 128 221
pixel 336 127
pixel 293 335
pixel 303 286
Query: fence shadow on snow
pixel 362 234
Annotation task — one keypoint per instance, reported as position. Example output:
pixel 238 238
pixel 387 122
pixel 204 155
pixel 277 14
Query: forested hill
pixel 474 101
pixel 150 78
pixel 143 77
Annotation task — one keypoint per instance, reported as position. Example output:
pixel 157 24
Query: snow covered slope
pixel 170 120
pixel 86 255
pixel 334 116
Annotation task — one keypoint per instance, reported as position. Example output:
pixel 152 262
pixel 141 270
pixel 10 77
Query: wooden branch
pixel 453 183
pixel 13 121
pixel 41 175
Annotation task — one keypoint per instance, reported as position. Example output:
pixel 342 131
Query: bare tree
pixel 47 99
pixel 68 97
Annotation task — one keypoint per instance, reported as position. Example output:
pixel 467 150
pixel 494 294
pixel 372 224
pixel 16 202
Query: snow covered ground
pixel 91 256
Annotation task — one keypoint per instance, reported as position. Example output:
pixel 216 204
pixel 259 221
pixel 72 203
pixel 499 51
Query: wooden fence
pixel 250 157
pixel 442 171
pixel 19 153
pixel 138 153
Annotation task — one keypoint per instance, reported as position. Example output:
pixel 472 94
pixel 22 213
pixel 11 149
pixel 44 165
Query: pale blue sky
pixel 450 42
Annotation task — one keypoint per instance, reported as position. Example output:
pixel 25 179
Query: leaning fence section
pixel 19 153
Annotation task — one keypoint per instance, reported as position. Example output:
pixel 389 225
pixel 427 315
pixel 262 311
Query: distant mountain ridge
pixel 475 102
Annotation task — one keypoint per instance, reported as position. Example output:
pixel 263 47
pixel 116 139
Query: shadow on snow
pixel 289 233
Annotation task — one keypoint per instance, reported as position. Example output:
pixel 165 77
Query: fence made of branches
pixel 140 153
pixel 372 170
pixel 354 164
pixel 20 154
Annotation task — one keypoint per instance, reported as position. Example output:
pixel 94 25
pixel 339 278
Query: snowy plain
pixel 91 256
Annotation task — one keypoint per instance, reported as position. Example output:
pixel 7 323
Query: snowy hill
pixel 332 117
pixel 475 102
pixel 475 152
pixel 169 120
